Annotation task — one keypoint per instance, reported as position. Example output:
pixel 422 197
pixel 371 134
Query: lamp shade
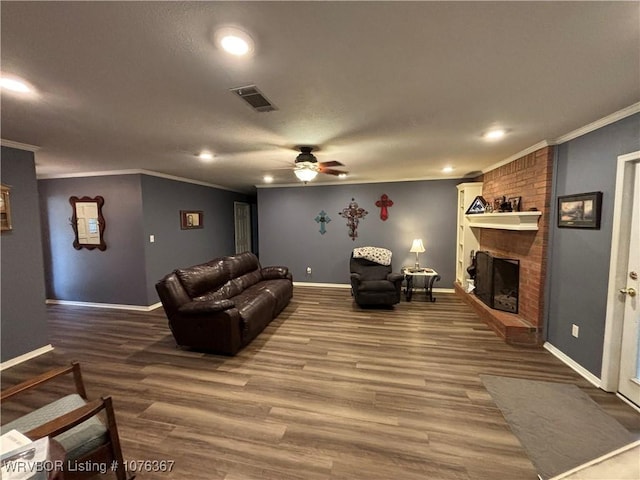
pixel 305 174
pixel 417 246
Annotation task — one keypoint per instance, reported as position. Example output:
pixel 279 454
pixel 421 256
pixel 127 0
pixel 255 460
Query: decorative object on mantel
pixel 322 218
pixel 88 223
pixel 501 204
pixel 515 203
pixel 580 210
pixel 384 203
pixel 417 247
pixel 5 209
pixel 479 205
pixel 353 213
pixel 190 219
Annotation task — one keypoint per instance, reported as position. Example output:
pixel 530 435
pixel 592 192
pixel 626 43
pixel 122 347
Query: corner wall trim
pixel 590 377
pixel 135 308
pixel 24 357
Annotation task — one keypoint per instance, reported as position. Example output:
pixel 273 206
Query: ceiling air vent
pixel 255 98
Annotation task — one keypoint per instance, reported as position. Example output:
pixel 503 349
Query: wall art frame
pixel 582 210
pixel 88 223
pixel 5 209
pixel 191 219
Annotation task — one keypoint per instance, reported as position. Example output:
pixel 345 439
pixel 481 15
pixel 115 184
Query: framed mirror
pixel 88 223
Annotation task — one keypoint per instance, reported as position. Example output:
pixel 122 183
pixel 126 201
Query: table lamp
pixel 418 248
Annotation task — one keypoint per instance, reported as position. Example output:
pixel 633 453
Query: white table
pixel 429 275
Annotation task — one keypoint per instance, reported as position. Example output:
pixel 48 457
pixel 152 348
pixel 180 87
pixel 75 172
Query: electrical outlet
pixel 308 270
pixel 575 330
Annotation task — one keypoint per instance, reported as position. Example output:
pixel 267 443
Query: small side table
pixel 430 277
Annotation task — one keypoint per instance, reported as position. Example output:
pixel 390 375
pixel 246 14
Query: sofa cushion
pixel 201 279
pixel 247 280
pixel 281 290
pixel 226 291
pixel 240 264
pixel 256 309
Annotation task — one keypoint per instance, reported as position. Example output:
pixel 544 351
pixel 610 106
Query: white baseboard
pixel 590 377
pixel 24 357
pixel 346 285
pixel 330 285
pixel 135 308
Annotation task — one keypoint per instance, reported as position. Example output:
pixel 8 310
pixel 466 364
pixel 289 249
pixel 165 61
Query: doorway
pixel 242 218
pixel 621 356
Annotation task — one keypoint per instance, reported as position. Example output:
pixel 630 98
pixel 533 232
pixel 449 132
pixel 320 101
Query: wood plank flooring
pixel 327 391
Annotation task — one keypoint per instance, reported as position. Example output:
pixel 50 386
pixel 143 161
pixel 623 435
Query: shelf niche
pixel 505 220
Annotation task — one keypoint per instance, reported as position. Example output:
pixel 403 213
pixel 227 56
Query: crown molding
pixel 518 155
pixel 355 182
pixel 137 171
pixel 18 145
pixel 603 122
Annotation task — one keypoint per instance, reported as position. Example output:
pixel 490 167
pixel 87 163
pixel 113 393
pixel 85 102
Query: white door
pixel 629 381
pixel 242 215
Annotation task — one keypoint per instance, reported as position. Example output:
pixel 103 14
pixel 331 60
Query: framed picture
pixel 5 209
pixel 515 203
pixel 478 205
pixel 580 211
pixel 191 219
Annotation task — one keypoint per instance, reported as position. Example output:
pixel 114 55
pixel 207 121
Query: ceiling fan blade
pixel 332 163
pixel 331 171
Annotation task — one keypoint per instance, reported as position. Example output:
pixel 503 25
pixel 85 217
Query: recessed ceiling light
pixel 267 179
pixel 342 175
pixel 495 134
pixel 234 41
pixel 207 156
pixel 14 84
pixel 447 169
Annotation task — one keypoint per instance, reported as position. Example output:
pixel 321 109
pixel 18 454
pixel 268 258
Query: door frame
pixel 246 205
pixel 618 264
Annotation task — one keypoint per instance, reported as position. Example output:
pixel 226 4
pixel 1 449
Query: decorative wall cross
pixel 353 213
pixel 384 203
pixel 322 219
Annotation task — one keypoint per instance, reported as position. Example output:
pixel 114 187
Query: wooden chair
pixel 73 422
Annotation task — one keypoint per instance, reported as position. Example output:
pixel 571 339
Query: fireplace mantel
pixel 505 220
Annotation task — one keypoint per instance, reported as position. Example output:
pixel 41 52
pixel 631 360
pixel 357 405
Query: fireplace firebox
pixel 497 281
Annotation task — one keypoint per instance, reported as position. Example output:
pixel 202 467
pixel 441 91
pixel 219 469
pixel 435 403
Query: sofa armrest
pixel 395 277
pixel 356 278
pixel 274 273
pixel 206 307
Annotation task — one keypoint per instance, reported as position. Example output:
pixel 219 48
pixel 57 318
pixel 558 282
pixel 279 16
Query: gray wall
pixel 579 259
pixel 114 276
pixel 23 316
pixel 290 236
pixel 135 207
pixel 162 200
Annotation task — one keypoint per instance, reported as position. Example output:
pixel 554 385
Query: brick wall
pixel 528 177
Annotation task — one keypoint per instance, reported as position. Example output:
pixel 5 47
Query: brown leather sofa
pixel 222 305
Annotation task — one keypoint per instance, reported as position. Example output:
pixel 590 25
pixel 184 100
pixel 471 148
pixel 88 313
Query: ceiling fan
pixel 306 166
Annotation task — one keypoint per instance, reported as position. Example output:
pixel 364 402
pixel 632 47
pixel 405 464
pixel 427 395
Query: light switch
pixel 152 238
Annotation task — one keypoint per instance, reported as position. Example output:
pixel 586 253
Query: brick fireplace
pixel 528 177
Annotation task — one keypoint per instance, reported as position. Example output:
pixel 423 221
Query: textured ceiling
pixel 393 90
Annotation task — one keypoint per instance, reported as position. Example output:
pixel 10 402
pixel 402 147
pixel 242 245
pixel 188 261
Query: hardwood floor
pixel 327 391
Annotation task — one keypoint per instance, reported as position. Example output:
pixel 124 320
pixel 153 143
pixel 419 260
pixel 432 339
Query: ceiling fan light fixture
pixel 305 174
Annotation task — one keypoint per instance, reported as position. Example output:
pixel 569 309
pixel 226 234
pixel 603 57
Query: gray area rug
pixel 559 426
